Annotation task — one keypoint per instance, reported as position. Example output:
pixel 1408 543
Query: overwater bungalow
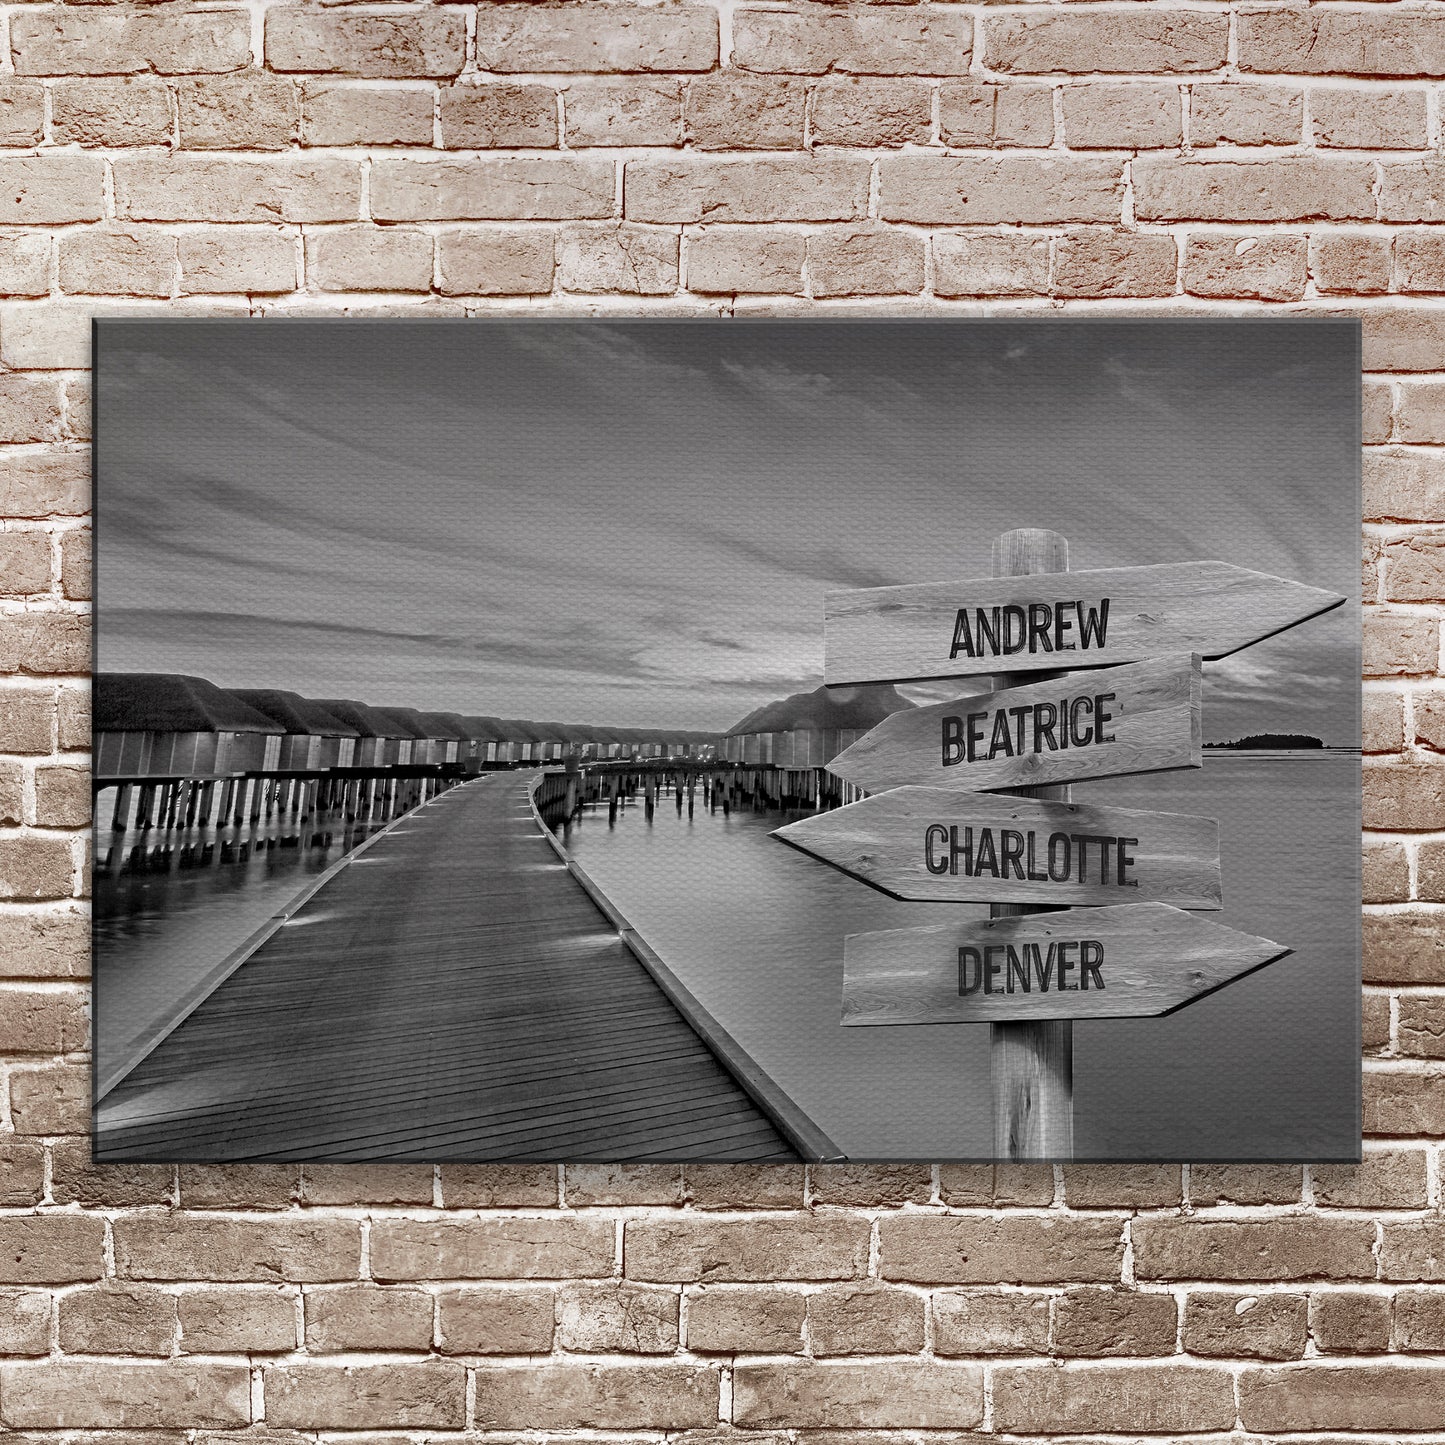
pixel 487 740
pixel 810 729
pixel 452 731
pixel 158 724
pixel 378 736
pixel 315 737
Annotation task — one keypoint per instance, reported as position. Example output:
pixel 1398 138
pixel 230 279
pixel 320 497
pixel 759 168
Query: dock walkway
pixel 452 994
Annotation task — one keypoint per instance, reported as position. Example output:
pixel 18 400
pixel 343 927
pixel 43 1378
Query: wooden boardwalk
pixel 453 994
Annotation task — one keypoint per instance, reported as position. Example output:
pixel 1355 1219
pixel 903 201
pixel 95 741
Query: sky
pixel 634 523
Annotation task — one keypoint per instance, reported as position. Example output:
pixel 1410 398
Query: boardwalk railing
pixel 812 1144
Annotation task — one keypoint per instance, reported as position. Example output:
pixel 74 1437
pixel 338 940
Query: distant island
pixel 1272 740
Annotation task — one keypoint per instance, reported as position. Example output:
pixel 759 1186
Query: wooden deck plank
pixel 453 994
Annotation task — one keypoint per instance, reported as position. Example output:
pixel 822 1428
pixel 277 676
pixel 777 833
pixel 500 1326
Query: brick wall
pixel 957 159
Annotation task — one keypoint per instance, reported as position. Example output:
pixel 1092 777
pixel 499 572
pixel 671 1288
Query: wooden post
pixel 1032 1064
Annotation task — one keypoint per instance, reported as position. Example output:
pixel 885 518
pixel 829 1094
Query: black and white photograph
pixel 613 739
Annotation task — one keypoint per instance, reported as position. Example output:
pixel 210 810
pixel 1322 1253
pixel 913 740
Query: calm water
pixel 161 924
pixel 1265 1068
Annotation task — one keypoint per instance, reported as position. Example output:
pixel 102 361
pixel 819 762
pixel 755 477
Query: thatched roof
pixel 483 729
pixel 823 708
pixel 171 702
pixel 296 714
pixel 445 725
pixel 369 722
pixel 408 718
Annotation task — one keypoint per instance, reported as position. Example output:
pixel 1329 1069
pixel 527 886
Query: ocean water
pixel 1266 1068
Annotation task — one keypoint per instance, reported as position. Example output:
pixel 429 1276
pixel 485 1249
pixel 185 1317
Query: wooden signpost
pixel 1137 960
pixel 1061 620
pixel 935 845
pixel 1142 717
pixel 933 830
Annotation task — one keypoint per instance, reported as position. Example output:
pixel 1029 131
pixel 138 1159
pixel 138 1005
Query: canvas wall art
pixel 621 740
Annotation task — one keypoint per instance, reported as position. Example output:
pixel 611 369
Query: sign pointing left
pixel 1136 960
pixel 935 845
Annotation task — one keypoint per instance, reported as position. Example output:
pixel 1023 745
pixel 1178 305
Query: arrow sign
pixel 1057 620
pixel 1140 718
pixel 938 845
pixel 1135 960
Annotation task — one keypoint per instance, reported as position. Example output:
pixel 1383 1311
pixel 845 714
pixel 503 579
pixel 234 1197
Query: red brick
pixel 866 260
pixel 24 1322
pixel 1383 722
pixel 871 1185
pixel 1259 268
pixel 1102 263
pixel 364 1317
pixel 996 1184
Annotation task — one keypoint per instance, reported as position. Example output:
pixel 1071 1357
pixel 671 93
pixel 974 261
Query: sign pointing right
pixel 1046 621
pixel 1133 960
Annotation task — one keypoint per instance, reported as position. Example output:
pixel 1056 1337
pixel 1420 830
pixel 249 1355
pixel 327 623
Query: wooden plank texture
pixel 1135 960
pixel 1057 620
pixel 1142 717
pixel 936 845
pixel 452 995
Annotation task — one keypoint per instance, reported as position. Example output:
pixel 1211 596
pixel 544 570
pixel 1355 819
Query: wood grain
pixel 883 841
pixel 900 634
pixel 1153 725
pixel 1155 959
pixel 453 995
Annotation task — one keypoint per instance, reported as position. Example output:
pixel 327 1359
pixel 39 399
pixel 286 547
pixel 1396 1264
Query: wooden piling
pixel 1032 1064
